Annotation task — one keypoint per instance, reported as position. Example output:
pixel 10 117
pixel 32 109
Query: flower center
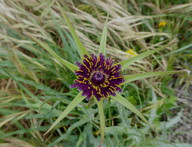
pixel 98 78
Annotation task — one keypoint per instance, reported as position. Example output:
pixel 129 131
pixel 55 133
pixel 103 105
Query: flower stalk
pixel 102 119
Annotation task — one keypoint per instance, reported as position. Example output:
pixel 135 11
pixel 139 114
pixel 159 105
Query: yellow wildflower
pixel 162 24
pixel 131 53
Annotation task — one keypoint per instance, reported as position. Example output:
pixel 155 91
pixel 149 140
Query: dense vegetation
pixel 34 83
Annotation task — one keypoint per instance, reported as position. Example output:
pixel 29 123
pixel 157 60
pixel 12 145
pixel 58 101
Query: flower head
pixel 98 77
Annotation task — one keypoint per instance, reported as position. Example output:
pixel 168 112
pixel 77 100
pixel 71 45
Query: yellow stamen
pixel 80 81
pixel 88 61
pixel 97 61
pixel 86 67
pixel 117 85
pixel 111 90
pixel 79 70
pixel 113 69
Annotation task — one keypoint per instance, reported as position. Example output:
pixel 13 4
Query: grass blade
pixel 130 78
pixel 81 49
pixel 129 61
pixel 129 106
pixel 69 65
pixel 102 47
pixel 179 50
pixel 69 130
pixel 70 107
pixel 102 118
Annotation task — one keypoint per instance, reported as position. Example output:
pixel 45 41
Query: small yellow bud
pixel 162 24
pixel 131 53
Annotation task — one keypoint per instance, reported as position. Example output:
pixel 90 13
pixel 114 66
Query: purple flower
pixel 98 77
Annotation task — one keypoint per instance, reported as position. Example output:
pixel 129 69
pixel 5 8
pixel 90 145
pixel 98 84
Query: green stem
pixel 102 119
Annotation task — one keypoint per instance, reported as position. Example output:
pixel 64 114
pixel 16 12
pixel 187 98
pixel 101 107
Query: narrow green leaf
pixel 70 107
pixel 81 49
pixel 102 118
pixel 129 61
pixel 130 78
pixel 69 130
pixel 129 106
pixel 69 65
pixel 179 50
pixel 102 47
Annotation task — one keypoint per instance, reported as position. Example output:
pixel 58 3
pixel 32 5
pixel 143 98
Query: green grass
pixel 36 45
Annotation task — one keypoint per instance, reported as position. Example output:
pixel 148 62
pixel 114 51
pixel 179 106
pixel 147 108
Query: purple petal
pixel 104 92
pixel 118 89
pixel 78 64
pixel 116 74
pixel 98 97
pixel 85 56
pixel 118 67
pixel 87 93
pixel 83 87
pixel 113 94
pixel 102 58
pixel 74 85
pixel 82 73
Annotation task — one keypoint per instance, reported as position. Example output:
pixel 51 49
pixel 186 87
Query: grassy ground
pixel 34 85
